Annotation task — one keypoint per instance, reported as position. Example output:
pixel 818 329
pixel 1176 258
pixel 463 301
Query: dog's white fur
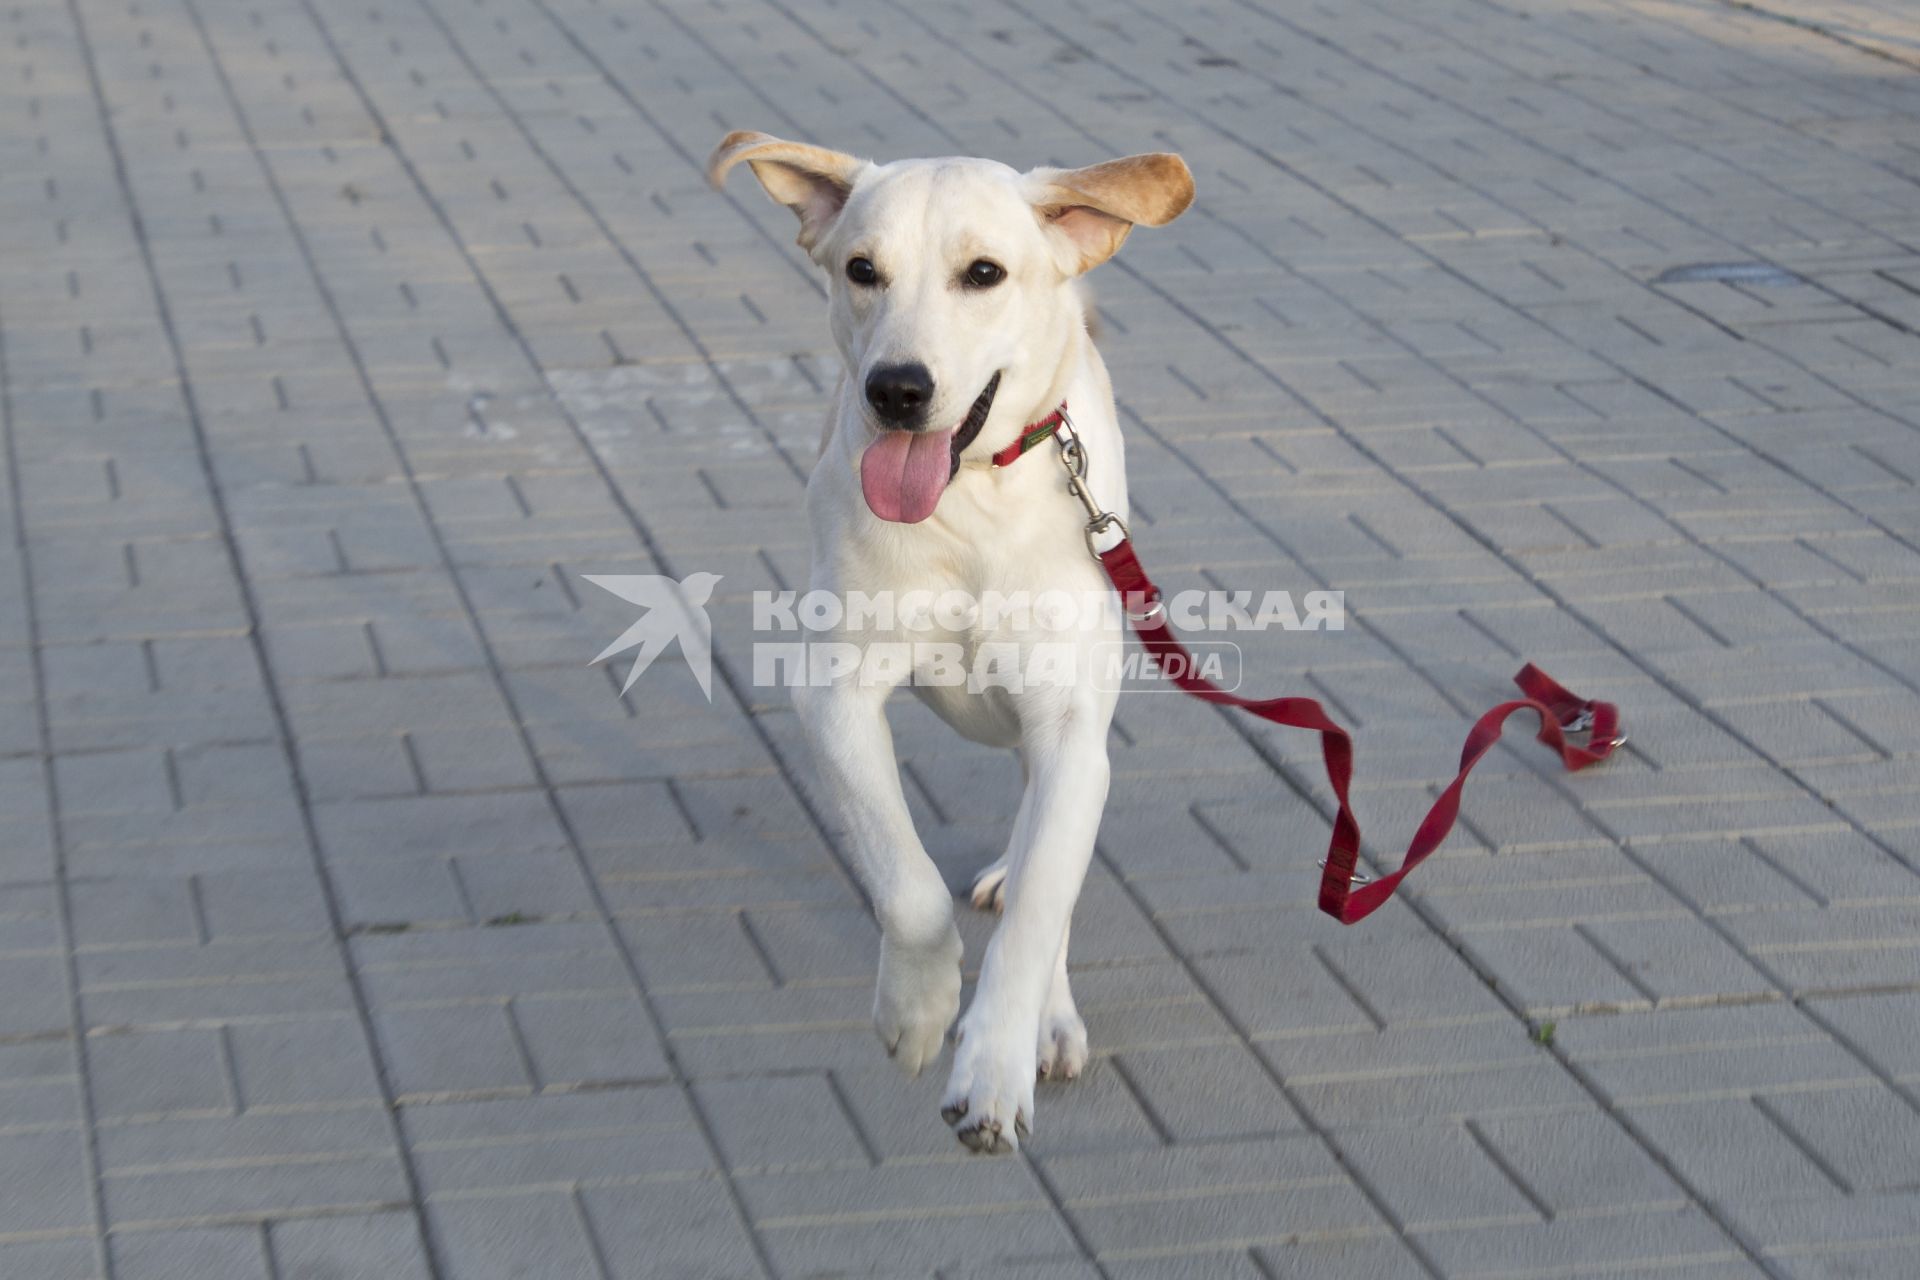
pixel 1011 529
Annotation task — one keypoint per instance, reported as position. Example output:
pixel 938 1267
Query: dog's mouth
pixel 903 473
pixel 970 425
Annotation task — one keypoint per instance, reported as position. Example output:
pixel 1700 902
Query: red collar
pixel 1039 433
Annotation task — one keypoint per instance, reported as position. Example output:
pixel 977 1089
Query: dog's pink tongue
pixel 903 473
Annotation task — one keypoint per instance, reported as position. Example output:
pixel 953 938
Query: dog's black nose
pixel 900 392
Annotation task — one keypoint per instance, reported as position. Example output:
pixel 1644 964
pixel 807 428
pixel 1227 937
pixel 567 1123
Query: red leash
pixel 1340 897
pixel 1346 893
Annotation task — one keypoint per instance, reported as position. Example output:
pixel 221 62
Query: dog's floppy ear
pixel 1094 208
pixel 812 181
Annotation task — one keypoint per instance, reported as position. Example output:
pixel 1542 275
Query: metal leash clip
pixel 1073 457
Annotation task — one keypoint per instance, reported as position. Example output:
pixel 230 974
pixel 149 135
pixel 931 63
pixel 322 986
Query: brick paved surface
pixel 351 927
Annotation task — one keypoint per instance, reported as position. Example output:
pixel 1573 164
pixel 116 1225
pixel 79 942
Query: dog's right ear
pixel 1091 210
pixel 812 181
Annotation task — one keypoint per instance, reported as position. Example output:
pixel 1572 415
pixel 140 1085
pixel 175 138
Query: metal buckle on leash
pixel 1584 721
pixel 1358 876
pixel 1073 457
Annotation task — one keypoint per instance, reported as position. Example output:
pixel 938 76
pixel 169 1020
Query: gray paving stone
pixel 1555 971
pixel 232 980
pixel 131 911
pixel 302 1064
pixel 390 892
pixel 555 1139
pixel 156 1072
pixel 353 1248
pixel 240 1252
pixel 1685 1242
pixel 36 1005
pixel 1238 1194
pixel 1678 960
pixel 803 1221
pixel 690 952
pixel 1879 1027
pixel 524 886
pixel 688 1227
pixel 1732 1149
pixel 1421 1075
pixel 357 1181
pixel 1866 1234
pixel 503 822
pixel 515 1236
pixel 590 1040
pixel 780 1123
pixel 493 962
pixel 254 903
pixel 1210 1092
pixel 1856 1134
pixel 1573 1164
pixel 452 1050
pixel 73 1259
pixel 48 1176
pixel 1436 1178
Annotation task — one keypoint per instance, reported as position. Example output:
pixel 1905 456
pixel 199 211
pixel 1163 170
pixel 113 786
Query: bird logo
pixel 674 610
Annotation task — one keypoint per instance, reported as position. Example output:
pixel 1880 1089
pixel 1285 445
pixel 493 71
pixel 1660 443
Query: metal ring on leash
pixel 1149 615
pixel 1358 876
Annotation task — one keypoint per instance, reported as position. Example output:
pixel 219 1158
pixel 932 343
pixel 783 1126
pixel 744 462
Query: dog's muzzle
pixel 900 472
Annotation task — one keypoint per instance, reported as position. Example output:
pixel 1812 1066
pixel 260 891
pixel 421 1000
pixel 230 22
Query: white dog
pixel 954 307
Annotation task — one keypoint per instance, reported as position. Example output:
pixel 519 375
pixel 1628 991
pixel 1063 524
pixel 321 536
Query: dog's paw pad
pixel 991 1138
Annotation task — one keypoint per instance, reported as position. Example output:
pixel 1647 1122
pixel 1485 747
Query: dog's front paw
pixel 916 998
pixel 989 1099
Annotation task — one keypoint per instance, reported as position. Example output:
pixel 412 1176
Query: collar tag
pixel 1037 434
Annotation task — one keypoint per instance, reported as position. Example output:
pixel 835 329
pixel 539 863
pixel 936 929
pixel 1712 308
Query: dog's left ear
pixel 1091 210
pixel 812 181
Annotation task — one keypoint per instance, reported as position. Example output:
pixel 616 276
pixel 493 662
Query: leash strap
pixel 1347 894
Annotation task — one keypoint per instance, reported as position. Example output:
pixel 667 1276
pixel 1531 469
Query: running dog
pixel 953 302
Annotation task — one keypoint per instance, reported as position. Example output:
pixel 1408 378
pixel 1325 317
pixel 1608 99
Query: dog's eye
pixel 984 275
pixel 862 271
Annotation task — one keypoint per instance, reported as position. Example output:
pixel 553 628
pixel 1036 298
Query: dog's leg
pixel 996 1060
pixel 918 990
pixel 1063 1036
